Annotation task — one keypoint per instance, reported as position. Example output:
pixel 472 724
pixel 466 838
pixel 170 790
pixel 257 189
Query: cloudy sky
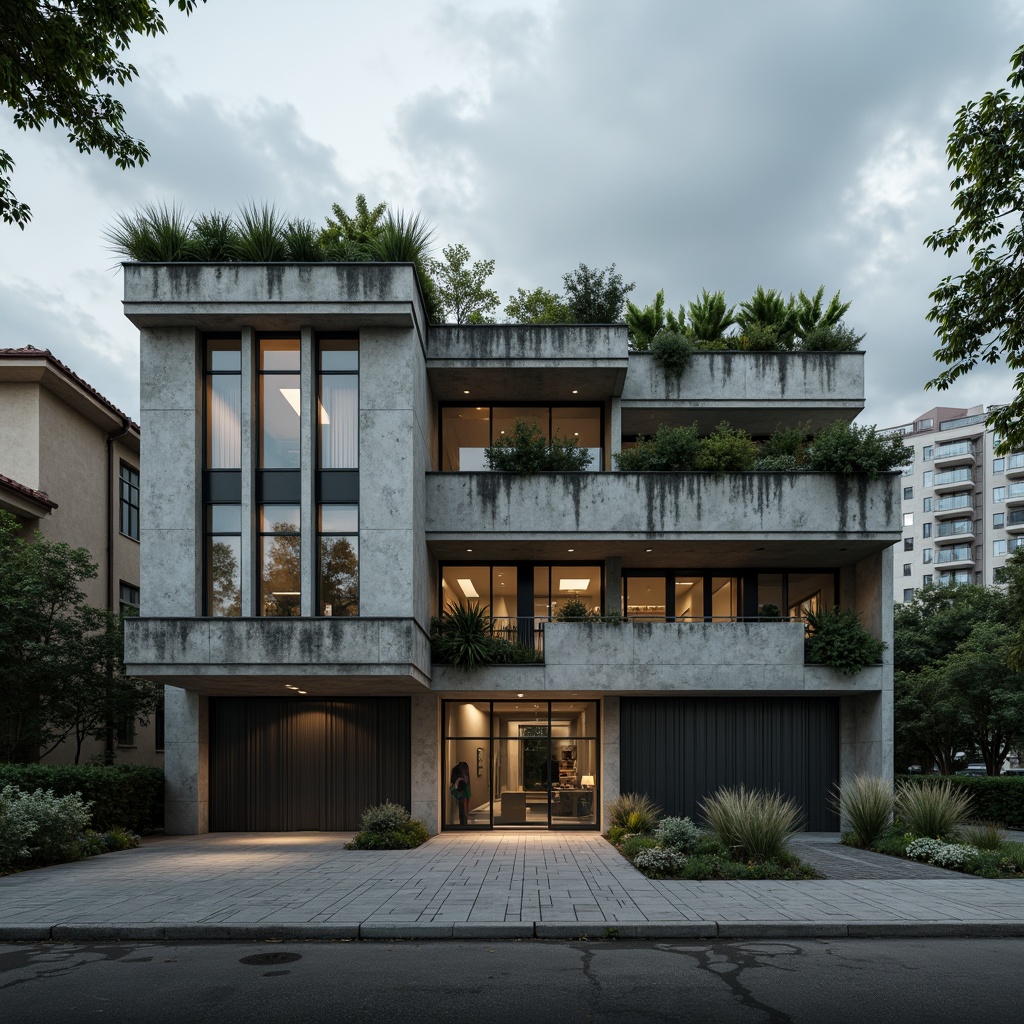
pixel 722 145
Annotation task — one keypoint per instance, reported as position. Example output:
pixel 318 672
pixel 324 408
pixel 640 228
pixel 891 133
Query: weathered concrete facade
pixel 417 523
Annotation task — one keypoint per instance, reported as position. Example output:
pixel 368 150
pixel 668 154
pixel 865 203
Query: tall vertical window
pixel 224 560
pixel 280 403
pixel 338 587
pixel 338 420
pixel 129 501
pixel 280 562
pixel 129 599
pixel 223 403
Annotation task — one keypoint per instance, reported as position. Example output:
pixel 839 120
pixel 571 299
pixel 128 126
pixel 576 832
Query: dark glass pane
pixel 279 519
pixel 725 598
pixel 224 422
pixel 339 422
pixel 224 576
pixel 279 354
pixel 339 354
pixel 770 599
pixel 809 592
pixel 280 419
pixel 339 576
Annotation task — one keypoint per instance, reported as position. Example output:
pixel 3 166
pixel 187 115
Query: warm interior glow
pixel 568 584
pixel 467 588
pixel 286 593
pixel 291 396
pixel 587 782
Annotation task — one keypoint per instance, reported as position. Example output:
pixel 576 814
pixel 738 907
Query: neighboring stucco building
pixel 963 505
pixel 314 494
pixel 69 468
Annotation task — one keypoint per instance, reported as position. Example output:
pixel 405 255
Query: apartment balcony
pixel 485 508
pixel 957 531
pixel 952 455
pixel 262 656
pixel 953 480
pixel 1015 466
pixel 953 506
pixel 517 362
pixel 955 558
pixel 696 657
pixel 1015 522
pixel 1015 495
pixel 757 390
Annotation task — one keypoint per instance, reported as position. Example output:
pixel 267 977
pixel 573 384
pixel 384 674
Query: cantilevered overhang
pixel 272 296
pixel 517 362
pixel 264 655
pixel 759 391
pixel 750 518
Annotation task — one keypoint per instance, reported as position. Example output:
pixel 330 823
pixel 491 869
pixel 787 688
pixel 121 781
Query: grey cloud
pixel 45 319
pixel 714 145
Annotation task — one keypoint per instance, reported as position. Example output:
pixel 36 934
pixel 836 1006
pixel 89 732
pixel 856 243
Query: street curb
pixel 371 931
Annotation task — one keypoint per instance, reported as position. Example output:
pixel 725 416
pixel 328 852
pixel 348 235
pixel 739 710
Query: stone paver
pixel 488 885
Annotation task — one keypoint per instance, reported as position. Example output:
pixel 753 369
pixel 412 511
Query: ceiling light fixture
pixel 465 392
pixel 573 584
pixel 574 391
pixel 519 695
pixel 649 550
pixel 467 588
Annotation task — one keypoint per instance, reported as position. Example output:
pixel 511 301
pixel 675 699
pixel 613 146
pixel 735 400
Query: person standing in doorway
pixel 459 788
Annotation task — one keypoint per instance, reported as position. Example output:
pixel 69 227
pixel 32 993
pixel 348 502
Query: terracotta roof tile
pixel 40 496
pixel 45 353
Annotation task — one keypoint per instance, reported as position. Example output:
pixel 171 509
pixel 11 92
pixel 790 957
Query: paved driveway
pixel 488 884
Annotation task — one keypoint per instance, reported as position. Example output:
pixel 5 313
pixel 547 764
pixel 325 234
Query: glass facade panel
pixel 339 421
pixel 645 597
pixel 339 576
pixel 279 355
pixel 575 583
pixel 224 579
pixel 224 421
pixel 280 561
pixel 582 425
pixel 504 417
pixel 725 597
pixel 466 433
pixel 809 592
pixel 224 355
pixel 339 355
pixel 467 585
pixel 689 598
pixel 771 594
pixel 280 419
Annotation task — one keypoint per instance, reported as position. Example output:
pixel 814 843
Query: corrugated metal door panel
pixel 280 764
pixel 681 749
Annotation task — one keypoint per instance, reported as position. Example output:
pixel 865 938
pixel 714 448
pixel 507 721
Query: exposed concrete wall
pixel 664 505
pixel 19 427
pixel 516 343
pixel 426 760
pixel 186 763
pixel 739 378
pixel 611 785
pixel 171 506
pixel 254 647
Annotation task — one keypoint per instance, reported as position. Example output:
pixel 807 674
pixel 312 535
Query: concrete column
pixel 186 763
pixel 610 764
pixel 426 760
pixel 612 586
pixel 614 431
pixel 307 511
pixel 250 449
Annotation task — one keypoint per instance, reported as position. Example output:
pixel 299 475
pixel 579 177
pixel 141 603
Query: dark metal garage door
pixel 681 749
pixel 280 764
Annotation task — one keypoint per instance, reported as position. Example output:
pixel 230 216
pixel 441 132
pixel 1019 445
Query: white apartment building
pixel 963 505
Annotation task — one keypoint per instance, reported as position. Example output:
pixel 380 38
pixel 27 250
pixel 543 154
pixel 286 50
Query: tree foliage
pixel 766 314
pixel 710 318
pixel 595 296
pixel 977 312
pixel 538 306
pixel 645 322
pixel 56 57
pixel 1011 576
pixel 61 670
pixel 462 291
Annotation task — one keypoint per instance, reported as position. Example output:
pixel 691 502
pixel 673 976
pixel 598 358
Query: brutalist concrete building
pixel 316 491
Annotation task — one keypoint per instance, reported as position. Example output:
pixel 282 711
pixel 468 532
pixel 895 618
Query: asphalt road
pixel 844 980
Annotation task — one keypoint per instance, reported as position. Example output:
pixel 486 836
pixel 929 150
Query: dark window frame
pixel 125 503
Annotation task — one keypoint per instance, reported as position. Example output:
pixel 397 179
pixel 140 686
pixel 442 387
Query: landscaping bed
pixel 747 838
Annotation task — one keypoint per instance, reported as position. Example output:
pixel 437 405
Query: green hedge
pixel 123 795
pixel 994 797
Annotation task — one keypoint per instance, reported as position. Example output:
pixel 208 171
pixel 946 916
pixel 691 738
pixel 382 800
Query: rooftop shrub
pixel 726 450
pixel 838 640
pixel 524 449
pixel 671 350
pixel 848 448
pixel 671 449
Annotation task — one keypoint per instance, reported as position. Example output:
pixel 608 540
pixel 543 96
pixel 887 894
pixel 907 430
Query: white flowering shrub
pixel 943 855
pixel 657 860
pixel 679 834
pixel 60 822
pixel 16 828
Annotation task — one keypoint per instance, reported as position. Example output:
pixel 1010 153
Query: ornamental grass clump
pixel 936 811
pixel 985 835
pixel 634 812
pixel 865 804
pixel 753 825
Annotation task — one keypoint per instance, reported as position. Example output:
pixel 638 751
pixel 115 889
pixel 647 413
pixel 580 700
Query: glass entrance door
pixel 522 763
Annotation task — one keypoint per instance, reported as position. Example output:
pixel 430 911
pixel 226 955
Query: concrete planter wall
pixel 663 505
